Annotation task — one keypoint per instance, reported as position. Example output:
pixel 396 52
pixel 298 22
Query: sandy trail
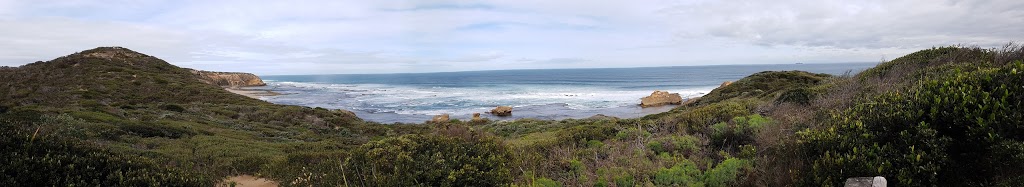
pixel 247 181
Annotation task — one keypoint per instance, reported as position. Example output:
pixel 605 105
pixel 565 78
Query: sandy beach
pixel 253 93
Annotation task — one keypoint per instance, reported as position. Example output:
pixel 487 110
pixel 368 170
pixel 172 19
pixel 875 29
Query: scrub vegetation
pixel 113 117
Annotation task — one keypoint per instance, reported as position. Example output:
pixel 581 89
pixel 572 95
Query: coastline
pixel 252 93
pixel 554 111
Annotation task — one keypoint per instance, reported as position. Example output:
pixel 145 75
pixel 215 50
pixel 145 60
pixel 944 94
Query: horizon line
pixel 796 63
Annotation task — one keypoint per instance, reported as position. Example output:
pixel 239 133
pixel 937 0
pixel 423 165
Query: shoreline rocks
pixel 476 117
pixel 502 111
pixel 443 118
pixel 659 98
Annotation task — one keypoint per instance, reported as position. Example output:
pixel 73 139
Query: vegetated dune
pixel 111 116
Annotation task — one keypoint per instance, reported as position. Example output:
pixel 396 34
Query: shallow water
pixel 542 94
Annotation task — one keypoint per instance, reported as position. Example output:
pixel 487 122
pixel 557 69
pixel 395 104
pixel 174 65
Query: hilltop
pixel 112 116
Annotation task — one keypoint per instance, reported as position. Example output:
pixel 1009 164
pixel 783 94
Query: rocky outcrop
pixel 726 83
pixel 443 118
pixel 866 182
pixel 502 111
pixel 476 117
pixel 228 79
pixel 659 98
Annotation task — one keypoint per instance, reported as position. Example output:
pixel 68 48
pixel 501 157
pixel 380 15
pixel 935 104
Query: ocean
pixel 542 94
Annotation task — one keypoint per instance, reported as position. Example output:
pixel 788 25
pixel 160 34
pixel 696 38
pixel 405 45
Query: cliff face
pixel 228 79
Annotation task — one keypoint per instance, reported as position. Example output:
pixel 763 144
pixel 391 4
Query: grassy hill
pixel 102 106
pixel 111 116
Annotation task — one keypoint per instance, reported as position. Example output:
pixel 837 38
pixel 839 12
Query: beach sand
pixel 253 93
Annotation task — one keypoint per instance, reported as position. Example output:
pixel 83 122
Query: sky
pixel 357 37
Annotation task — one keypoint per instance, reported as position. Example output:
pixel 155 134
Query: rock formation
pixel 443 118
pixel 228 79
pixel 866 182
pixel 726 83
pixel 502 111
pixel 659 98
pixel 476 117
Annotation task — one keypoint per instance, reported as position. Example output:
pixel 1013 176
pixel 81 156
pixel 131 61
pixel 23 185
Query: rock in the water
pixel 476 117
pixel 229 79
pixel 502 111
pixel 659 98
pixel 726 83
pixel 443 118
pixel 865 182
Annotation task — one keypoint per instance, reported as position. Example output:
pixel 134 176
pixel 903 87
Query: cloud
pixel 29 40
pixel 861 24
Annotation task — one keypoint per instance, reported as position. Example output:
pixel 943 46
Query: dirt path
pixel 247 181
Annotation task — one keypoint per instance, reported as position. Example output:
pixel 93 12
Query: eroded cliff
pixel 228 79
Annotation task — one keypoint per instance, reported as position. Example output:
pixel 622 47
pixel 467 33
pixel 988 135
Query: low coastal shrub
pixel 49 159
pixel 799 96
pixel 684 144
pixel 583 133
pixel 173 107
pixel 430 160
pixel 697 119
pixel 962 130
pixel 545 182
pixel 684 173
pixel 738 131
pixel 727 172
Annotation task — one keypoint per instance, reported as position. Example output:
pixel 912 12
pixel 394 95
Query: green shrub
pixel 680 144
pixel 726 172
pixel 697 119
pixel 583 133
pixel 546 182
pixel 156 130
pixel 739 131
pixel 173 107
pixel 684 173
pixel 962 130
pixel 595 144
pixel 576 166
pixel 308 168
pixel 798 96
pixel 632 133
pixel 62 161
pixel 429 160
pixel 625 179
